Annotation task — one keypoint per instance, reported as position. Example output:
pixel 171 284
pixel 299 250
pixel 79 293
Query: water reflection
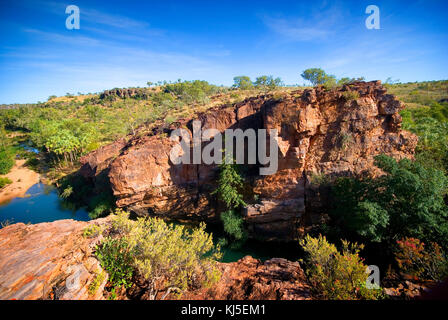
pixel 41 204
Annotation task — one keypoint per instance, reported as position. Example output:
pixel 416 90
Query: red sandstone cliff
pixel 321 133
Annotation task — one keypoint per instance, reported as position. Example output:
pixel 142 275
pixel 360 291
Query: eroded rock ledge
pixel 48 261
pixel 321 133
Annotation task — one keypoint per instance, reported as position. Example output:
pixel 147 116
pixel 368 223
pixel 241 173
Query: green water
pixel 41 204
pixel 262 250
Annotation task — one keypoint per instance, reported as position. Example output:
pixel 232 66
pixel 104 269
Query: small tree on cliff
pixel 229 187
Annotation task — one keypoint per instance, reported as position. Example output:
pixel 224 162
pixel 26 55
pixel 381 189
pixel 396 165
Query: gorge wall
pixel 321 133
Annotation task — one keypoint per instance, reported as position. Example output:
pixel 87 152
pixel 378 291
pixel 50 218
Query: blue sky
pixel 127 43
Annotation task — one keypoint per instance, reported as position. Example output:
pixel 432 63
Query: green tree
pixel 242 82
pixel 229 191
pixel 314 75
pixel 229 186
pixel 318 76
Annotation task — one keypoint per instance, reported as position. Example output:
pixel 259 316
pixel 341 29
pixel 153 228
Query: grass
pixel 420 94
pixel 4 181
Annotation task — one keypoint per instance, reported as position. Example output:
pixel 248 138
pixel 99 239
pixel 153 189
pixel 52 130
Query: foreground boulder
pixel 48 261
pixel 322 134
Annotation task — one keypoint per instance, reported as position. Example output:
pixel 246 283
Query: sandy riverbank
pixel 22 179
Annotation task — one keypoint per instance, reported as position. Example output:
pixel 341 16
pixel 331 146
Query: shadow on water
pixel 41 204
pixel 257 249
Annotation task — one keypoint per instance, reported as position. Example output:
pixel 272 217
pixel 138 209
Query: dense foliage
pixel 407 201
pixel 171 258
pixel 421 261
pixel 264 83
pixel 6 160
pixel 4 182
pixel 336 275
pixel 116 258
pixel 229 188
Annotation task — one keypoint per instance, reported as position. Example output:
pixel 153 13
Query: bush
pixel 350 95
pixel 191 91
pixel 4 182
pixel 421 263
pixel 116 258
pixel 431 126
pixel 407 201
pixel 337 275
pixel 92 231
pixel 6 160
pixel 95 284
pixel 169 257
pixel 314 75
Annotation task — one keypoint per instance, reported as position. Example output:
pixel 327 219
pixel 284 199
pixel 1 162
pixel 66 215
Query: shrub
pixel 191 91
pixel 337 275
pixel 116 258
pixel 267 82
pixel 95 284
pixel 407 201
pixel 169 257
pixel 350 95
pixel 422 263
pixel 6 160
pixel 92 231
pixel 4 182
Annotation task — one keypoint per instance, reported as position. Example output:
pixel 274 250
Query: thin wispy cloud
pixel 297 30
pixel 318 24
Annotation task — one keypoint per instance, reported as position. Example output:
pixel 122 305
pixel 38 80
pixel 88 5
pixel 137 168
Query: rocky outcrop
pixel 49 261
pixel 125 93
pixel 251 279
pixel 321 135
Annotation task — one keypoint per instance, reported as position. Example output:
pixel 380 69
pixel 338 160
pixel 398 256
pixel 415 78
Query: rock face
pixel 48 261
pixel 321 135
pixel 124 93
pixel 250 279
